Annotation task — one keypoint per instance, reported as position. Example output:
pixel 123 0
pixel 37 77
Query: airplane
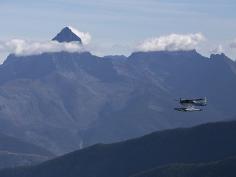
pixel 194 102
pixel 189 104
pixel 188 109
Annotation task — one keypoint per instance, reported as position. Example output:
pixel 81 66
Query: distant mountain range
pixel 196 147
pixel 66 101
pixel 14 152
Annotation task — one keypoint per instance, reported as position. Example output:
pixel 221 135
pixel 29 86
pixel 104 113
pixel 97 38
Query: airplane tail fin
pixel 205 101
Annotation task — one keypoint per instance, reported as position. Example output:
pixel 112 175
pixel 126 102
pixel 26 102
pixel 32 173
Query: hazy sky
pixel 116 26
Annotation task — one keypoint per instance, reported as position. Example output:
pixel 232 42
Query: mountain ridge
pixel 200 144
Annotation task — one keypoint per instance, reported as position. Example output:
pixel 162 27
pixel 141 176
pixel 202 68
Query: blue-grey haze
pixel 118 25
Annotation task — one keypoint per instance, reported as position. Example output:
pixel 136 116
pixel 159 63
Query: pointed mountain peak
pixel 67 34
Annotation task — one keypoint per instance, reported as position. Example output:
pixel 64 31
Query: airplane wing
pixel 188 109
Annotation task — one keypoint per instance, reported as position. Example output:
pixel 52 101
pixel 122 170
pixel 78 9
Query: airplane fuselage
pixel 194 102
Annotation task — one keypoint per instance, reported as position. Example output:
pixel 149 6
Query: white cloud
pixel 172 42
pixel 218 50
pixel 85 36
pixel 24 47
pixel 233 44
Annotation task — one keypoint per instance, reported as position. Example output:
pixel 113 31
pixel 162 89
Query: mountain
pixel 48 99
pixel 116 57
pixel 67 35
pixel 66 101
pixel 201 144
pixel 221 168
pixel 155 80
pixel 14 152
